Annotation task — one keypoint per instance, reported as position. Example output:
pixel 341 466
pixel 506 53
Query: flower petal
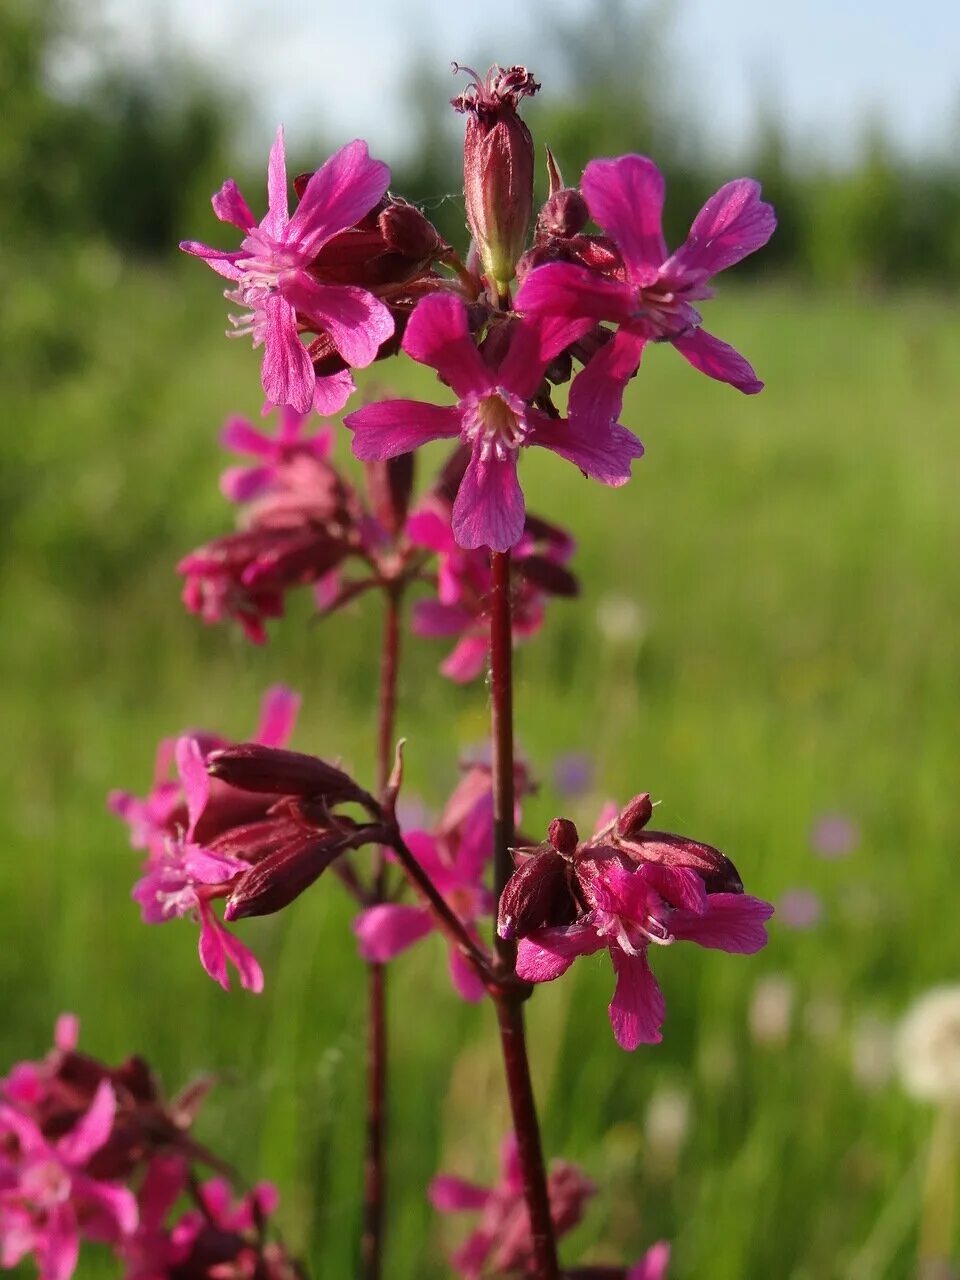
pixel 239 435
pixel 733 223
pixel 625 196
pixel 391 427
pixel 278 715
pixel 357 322
pixel 467 660
pixel 718 360
pixel 230 206
pixel 244 961
pixel 653 1265
pixel 489 509
pixel 437 334
pixel 596 393
pixel 448 1194
pixel 222 261
pixel 577 296
pixel 59 1245
pixel 342 190
pixel 431 618
pixel 240 484
pixel 732 922
pixel 92 1129
pixel 466 980
pixel 194 779
pixel 275 221
pixel 385 930
pixel 213 956
pixel 331 393
pixel 521 370
pixel 287 373
pixel 604 454
pixel 548 953
pixel 637 1009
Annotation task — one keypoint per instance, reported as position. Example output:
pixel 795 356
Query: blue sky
pixel 827 64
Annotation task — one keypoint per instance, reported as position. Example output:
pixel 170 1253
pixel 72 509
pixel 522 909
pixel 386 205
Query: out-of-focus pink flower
pixel 649 294
pixel 494 419
pixel 800 909
pixel 48 1199
pixel 652 1266
pixel 273 282
pixel 834 835
pixel 502 1243
pixel 273 453
pixel 624 890
pixel 464 584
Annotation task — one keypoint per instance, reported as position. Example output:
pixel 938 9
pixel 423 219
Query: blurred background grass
pixel 767 634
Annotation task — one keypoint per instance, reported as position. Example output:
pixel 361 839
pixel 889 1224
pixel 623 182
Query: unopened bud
pixel 407 231
pixel 634 816
pixel 564 835
pixel 565 212
pixel 537 895
pixel 275 881
pixel 498 168
pixel 251 767
pixel 715 869
pixel 547 575
pixel 389 484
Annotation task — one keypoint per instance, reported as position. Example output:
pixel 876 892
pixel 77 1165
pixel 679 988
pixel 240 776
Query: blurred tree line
pixel 130 159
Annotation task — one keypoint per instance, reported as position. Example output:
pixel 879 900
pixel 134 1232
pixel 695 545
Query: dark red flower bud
pixel 634 816
pixel 563 835
pixel 715 869
pixel 537 895
pixel 547 575
pixel 498 168
pixel 276 880
pixel 408 232
pixel 389 486
pixel 252 767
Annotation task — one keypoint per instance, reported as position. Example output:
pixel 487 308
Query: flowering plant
pixel 353 276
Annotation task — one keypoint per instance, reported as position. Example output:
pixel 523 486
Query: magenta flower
pixel 274 453
pixel 625 890
pixel 48 1199
pixel 274 285
pixel 651 298
pixel 464 583
pixel 502 1243
pixel 494 419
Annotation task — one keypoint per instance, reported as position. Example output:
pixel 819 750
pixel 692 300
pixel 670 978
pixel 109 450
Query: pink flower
pixel 464 583
pixel 625 890
pixel 274 453
pixel 48 1199
pixel 274 284
pixel 800 909
pixel 651 295
pixel 502 1243
pixel 834 835
pixel 494 419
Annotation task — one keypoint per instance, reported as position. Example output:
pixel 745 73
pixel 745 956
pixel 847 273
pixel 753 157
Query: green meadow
pixel 767 632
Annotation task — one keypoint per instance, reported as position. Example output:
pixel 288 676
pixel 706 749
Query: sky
pixel 336 67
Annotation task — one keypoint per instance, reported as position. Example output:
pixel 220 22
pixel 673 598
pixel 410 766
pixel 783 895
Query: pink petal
pixel 653 1265
pixel 92 1129
pixel 114 1206
pixel 521 370
pixel 287 373
pixel 680 886
pixel 448 1194
pixel 637 1009
pixel 577 295
pixel 718 360
pixel 66 1033
pixel 194 779
pixel 437 334
pixel 240 436
pixel 222 261
pixel 342 190
pixel 733 223
pixel 331 393
pixel 548 953
pixel 467 661
pixel 244 961
pixel 230 206
pixel 431 618
pixel 60 1244
pixel 278 715
pixel 213 956
pixel 596 393
pixel 391 427
pixel 625 196
pixel 732 922
pixel 604 453
pixel 428 528
pixel 464 977
pixel 511 1172
pixel 275 222
pixel 489 510
pixel 240 484
pixel 386 930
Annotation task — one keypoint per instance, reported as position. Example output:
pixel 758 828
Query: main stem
pixel 509 1004
pixel 374 1179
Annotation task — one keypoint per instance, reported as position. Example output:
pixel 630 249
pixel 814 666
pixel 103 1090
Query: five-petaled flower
pixel 275 287
pixel 625 889
pixel 648 293
pixel 495 418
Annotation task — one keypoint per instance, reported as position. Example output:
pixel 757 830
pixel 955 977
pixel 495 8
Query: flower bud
pixel 634 816
pixel 389 485
pixel 498 168
pixel 251 767
pixel 280 877
pixel 410 233
pixel 565 211
pixel 537 895
pixel 564 835
pixel 717 872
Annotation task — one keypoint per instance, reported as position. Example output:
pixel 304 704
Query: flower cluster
pixel 77 1137
pixel 625 889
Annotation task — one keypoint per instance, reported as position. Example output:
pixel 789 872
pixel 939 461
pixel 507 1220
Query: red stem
pixel 508 1002
pixel 374 1179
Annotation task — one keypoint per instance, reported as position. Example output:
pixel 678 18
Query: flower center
pixel 497 423
pixel 666 311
